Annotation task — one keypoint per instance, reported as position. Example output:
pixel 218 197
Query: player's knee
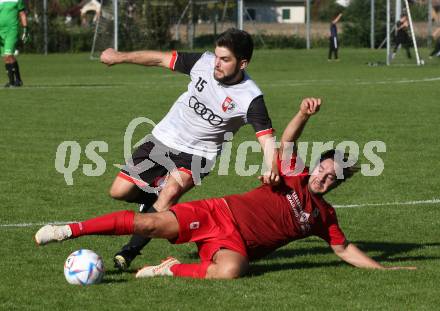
pixel 124 194
pixel 9 59
pixel 116 193
pixel 230 271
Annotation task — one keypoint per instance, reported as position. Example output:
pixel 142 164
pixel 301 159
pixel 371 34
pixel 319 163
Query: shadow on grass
pixel 111 281
pixel 117 272
pixel 395 251
pixel 114 272
pixel 390 252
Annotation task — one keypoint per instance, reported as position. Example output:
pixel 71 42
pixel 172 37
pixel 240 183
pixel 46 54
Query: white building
pixel 343 2
pixel 277 11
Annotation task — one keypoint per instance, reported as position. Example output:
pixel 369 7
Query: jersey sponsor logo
pixel 228 105
pixel 204 112
pixel 301 217
pixel 194 225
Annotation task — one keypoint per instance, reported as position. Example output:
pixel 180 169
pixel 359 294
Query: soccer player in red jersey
pixel 236 229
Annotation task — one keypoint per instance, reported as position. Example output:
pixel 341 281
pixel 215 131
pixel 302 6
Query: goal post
pixel 413 36
pixel 389 30
pixel 105 29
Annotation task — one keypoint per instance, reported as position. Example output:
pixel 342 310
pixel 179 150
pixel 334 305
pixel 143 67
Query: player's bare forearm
pixel 270 151
pixel 294 129
pixel 23 19
pixel 145 58
pixel 354 256
pixel 337 18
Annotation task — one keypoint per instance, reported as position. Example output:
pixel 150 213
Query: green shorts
pixel 8 40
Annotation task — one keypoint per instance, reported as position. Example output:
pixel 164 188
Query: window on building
pixel 286 14
pixel 252 14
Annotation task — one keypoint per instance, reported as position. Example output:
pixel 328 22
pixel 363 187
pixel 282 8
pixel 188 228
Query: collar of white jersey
pixel 246 77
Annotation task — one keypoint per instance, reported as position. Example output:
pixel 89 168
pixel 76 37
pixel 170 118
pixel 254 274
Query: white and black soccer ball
pixel 84 267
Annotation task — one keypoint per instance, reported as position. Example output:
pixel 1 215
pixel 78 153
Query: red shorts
pixel 209 224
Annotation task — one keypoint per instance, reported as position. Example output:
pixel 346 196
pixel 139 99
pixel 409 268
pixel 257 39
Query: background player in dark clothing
pixel 236 229
pixel 436 37
pixel 333 40
pixel 402 36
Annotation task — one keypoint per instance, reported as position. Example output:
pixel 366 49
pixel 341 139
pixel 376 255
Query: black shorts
pixel 333 43
pixel 150 163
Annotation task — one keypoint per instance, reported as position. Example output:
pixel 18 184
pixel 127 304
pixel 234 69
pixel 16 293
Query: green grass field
pixel 70 98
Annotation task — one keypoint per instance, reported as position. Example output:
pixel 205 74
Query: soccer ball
pixel 83 267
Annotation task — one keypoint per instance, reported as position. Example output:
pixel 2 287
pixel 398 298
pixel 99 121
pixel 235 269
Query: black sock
pixel 9 70
pixel 148 199
pixel 145 198
pixel 16 71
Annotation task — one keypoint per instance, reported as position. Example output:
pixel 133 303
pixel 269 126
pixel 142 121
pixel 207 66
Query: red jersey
pixel 270 217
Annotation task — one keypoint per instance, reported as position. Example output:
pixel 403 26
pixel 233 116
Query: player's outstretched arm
pixel 111 57
pixel 272 176
pixel 293 130
pixel 337 18
pixel 354 256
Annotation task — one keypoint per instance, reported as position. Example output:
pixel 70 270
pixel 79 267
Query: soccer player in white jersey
pixel 221 97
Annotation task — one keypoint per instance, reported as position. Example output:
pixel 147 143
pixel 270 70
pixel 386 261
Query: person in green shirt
pixel 11 12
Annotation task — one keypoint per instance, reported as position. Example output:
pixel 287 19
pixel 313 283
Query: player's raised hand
pixel 270 178
pixel 109 57
pixel 310 106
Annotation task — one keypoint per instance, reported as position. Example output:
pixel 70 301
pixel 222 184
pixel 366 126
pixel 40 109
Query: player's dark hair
pixel 239 42
pixel 339 157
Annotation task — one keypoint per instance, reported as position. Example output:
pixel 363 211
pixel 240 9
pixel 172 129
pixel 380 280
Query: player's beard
pixel 229 78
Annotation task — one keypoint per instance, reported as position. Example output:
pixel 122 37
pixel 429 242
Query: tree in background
pixel 357 23
pixel 325 10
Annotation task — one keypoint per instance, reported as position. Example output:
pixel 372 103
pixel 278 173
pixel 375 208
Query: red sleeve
pixel 330 230
pixel 173 60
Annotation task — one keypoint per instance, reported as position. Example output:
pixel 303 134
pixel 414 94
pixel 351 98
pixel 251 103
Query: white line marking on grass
pixel 33 224
pixel 399 81
pixel 433 201
pixel 356 82
pixel 96 86
pixel 280 83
